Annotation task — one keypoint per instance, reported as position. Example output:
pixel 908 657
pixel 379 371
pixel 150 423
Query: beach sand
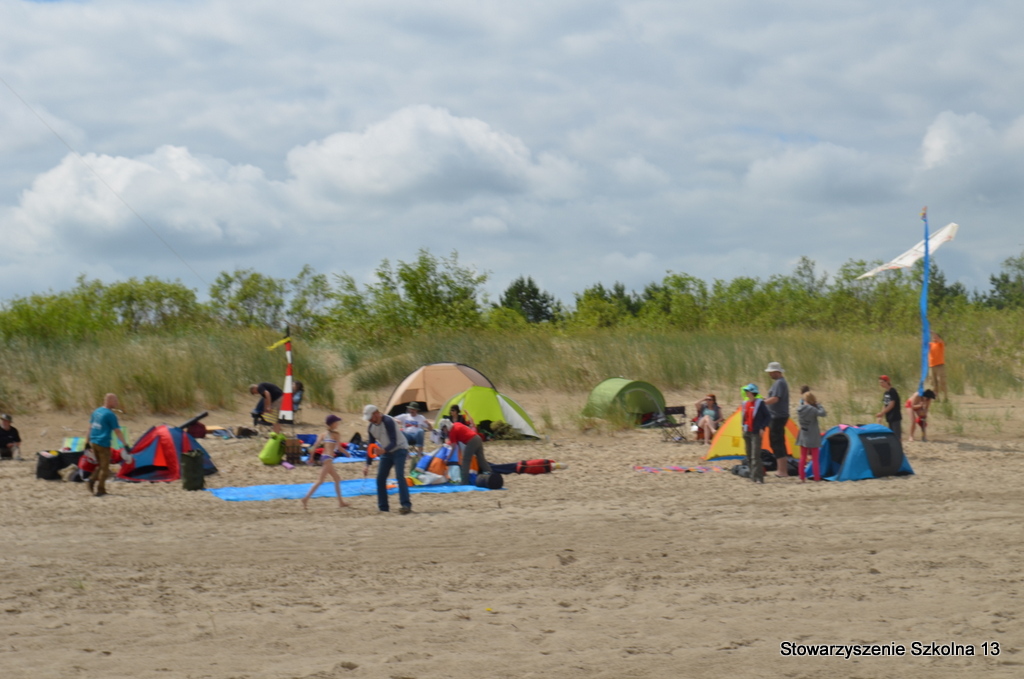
pixel 595 571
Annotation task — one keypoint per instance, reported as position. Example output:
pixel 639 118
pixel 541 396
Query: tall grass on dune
pixel 158 374
pixel 720 360
pixel 211 368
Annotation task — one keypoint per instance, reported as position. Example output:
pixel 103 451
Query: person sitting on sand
pixel 329 441
pixel 10 440
pixel 709 417
pixel 918 405
pixel 414 426
pixel 455 414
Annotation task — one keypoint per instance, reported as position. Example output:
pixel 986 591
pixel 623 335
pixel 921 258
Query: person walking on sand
pixel 103 425
pixel 890 407
pixel 918 406
pixel 809 438
pixel 755 418
pixel 387 434
pixel 778 406
pixel 937 366
pixel 329 441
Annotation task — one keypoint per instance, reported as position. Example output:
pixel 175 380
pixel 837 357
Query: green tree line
pixel 431 294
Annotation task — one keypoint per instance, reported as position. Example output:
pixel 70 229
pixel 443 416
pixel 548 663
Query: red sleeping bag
pixel 534 466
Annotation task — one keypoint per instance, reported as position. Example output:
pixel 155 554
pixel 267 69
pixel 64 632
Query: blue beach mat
pixel 297 491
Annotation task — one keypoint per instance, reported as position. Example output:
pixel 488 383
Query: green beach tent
pixel 630 396
pixel 484 403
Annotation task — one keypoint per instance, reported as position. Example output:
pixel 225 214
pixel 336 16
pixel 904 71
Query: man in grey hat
pixel 778 406
pixel 387 434
pixel 10 440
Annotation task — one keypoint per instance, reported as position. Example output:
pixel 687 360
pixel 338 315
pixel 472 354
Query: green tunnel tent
pixel 629 396
pixel 484 403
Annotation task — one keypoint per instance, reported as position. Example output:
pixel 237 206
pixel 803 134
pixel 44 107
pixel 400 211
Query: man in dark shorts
pixel 778 407
pixel 890 407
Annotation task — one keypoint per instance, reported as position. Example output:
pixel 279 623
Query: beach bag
pixel 741 470
pixel 293 451
pixel 768 461
pixel 490 480
pixel 273 450
pixel 431 479
pixel 192 477
pixel 245 432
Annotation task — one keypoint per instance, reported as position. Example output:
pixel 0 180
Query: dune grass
pixel 847 363
pixel 158 374
pixel 185 372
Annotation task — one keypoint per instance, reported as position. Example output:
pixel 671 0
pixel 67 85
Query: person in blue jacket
pixel 755 418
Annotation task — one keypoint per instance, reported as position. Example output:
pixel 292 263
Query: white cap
pixel 368 412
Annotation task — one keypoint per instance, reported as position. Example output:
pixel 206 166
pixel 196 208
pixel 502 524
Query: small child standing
pixel 809 439
pixel 330 441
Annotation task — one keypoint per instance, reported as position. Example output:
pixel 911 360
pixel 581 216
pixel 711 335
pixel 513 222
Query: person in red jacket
pixel 471 445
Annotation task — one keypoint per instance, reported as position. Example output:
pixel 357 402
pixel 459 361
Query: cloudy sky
pixel 575 141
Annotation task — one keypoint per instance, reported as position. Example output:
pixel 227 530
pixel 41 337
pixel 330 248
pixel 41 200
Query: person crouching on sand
pixel 329 441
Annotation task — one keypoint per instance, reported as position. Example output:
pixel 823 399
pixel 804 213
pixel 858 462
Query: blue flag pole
pixel 925 330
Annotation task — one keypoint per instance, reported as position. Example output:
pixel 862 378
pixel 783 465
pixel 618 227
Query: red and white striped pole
pixel 287 413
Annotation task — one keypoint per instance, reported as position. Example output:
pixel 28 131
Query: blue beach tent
pixel 866 451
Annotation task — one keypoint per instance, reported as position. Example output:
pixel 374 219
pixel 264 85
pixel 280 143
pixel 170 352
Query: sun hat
pixel 752 388
pixel 368 412
pixel 331 419
pixel 413 406
pixel 774 366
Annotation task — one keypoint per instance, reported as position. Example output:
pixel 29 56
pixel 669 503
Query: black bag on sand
pixel 490 480
pixel 192 477
pixel 768 461
pixel 741 470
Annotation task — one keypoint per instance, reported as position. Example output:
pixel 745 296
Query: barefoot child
pixel 330 443
pixel 918 405
pixel 809 439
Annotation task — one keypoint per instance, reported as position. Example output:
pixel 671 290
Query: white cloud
pixel 824 173
pixel 267 135
pixel 952 136
pixel 422 152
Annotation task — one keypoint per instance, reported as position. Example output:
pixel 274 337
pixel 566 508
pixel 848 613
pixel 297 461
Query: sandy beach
pixel 595 571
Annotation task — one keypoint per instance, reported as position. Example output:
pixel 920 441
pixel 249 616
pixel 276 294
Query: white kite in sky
pixel 943 235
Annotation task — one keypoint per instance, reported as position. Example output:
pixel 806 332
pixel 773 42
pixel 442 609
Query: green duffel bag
pixel 273 451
